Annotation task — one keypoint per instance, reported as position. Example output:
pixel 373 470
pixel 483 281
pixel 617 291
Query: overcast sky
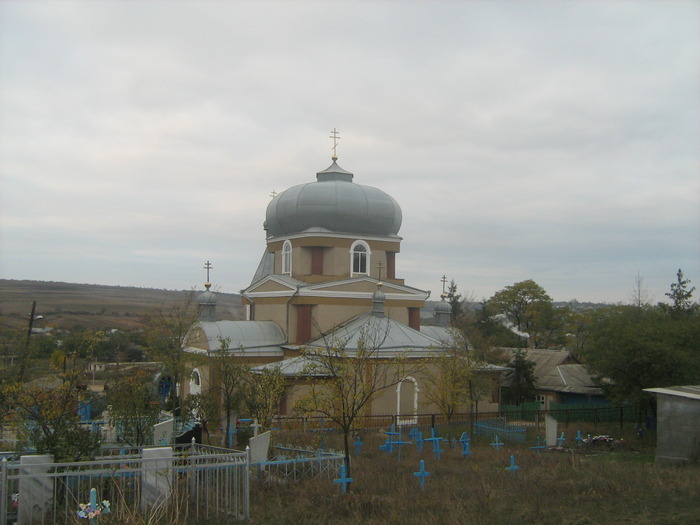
pixel 554 141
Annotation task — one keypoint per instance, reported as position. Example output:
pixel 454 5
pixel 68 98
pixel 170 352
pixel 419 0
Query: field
pixel 574 487
pixel 94 307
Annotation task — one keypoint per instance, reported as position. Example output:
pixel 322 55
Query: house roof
pixel 559 371
pixel 689 392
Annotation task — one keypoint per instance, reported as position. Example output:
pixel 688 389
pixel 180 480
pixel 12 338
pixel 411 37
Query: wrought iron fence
pixel 191 481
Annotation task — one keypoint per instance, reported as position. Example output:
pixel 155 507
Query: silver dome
pixel 333 203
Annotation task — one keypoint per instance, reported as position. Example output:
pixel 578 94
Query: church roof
pixel 250 337
pixel 333 203
pixel 387 336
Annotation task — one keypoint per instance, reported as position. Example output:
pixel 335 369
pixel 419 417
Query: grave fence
pixel 191 481
pixel 295 463
pixel 526 416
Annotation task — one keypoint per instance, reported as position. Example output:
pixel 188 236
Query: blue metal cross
pixel 436 449
pixel 358 444
pixel 561 440
pixel 387 446
pixel 343 480
pixel 393 431
pixel 513 467
pixel 422 474
pixel 496 443
pixel 579 438
pixel 464 440
pixel 417 437
pixel 539 446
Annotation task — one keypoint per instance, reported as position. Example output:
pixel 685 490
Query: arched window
pixel 359 258
pixel 195 383
pixel 287 258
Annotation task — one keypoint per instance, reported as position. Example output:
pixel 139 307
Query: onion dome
pixel 378 299
pixel 333 203
pixel 207 304
pixel 443 312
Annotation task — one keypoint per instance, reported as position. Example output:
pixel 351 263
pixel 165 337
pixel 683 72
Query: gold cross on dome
pixel 273 193
pixel 335 135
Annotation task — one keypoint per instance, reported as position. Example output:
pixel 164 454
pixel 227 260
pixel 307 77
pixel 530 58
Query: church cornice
pixel 323 233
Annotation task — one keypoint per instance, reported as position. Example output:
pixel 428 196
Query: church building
pixel 329 267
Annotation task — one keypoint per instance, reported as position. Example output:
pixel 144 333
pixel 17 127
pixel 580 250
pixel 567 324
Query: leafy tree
pixel 48 413
pixel 528 307
pixel 455 300
pixel 522 380
pixel 262 394
pixel 134 406
pixel 452 375
pixel 167 336
pixel 204 408
pixel 683 304
pixel 230 373
pixel 353 378
pixel 631 349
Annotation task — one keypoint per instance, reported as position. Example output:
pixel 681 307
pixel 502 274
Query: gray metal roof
pixel 251 336
pixel 387 336
pixel 689 392
pixel 333 203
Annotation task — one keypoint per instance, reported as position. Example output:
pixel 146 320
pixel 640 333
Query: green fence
pixel 524 412
pixel 593 413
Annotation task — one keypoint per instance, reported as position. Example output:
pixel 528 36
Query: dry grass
pixel 572 487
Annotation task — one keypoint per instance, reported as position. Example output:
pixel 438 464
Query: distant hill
pixel 71 305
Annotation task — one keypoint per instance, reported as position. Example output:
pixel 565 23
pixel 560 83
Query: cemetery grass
pixel 574 487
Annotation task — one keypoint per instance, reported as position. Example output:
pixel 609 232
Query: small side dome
pixel 443 307
pixel 443 312
pixel 207 298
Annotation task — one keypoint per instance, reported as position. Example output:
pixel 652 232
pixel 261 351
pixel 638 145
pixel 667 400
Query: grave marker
pixel 358 444
pixel 496 443
pixel 343 480
pixel 539 446
pixel 513 467
pixel 422 474
pixel 464 440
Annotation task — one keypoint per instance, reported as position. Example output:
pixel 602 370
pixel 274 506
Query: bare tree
pixel 640 296
pixel 349 379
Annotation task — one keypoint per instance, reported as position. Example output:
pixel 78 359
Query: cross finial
pixel 207 267
pixel 335 135
pixel 273 194
pixel 444 281
pixel 380 265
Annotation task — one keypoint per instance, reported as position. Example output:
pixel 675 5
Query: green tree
pixel 47 412
pixel 230 373
pixel 262 393
pixel 631 348
pixel 453 374
pixel 167 335
pixel 204 408
pixel 455 300
pixel 681 297
pixel 530 310
pixel 521 385
pixel 134 406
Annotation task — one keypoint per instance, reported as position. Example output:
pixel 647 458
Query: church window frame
pixel 360 255
pixel 287 258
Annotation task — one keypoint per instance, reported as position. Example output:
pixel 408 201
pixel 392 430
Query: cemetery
pixel 456 473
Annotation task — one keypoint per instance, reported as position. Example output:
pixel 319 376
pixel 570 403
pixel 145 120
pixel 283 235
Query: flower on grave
pixel 87 511
pixel 15 499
